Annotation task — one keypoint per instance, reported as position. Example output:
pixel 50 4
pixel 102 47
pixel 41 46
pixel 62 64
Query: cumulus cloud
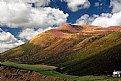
pixel 20 14
pixel 109 20
pixel 29 33
pixel 75 5
pixel 45 17
pixel 116 5
pixel 86 19
pixel 105 19
pixel 36 2
pixel 8 41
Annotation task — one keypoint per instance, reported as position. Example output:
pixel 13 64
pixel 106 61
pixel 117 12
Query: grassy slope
pixel 66 31
pixel 32 53
pixel 93 58
pixel 80 56
pixel 49 71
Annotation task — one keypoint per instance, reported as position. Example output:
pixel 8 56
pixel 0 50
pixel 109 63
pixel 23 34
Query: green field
pixel 49 71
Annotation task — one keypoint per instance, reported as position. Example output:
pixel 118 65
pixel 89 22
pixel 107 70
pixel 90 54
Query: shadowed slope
pixel 76 49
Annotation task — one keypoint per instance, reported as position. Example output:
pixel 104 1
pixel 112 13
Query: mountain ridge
pixel 71 47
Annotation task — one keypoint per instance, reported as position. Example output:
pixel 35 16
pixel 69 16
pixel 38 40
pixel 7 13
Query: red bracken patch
pixel 113 28
pixel 56 32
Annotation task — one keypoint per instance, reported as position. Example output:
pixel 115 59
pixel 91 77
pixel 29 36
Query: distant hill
pixel 75 49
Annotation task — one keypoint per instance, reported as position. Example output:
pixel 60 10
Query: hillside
pixel 22 72
pixel 10 71
pixel 74 49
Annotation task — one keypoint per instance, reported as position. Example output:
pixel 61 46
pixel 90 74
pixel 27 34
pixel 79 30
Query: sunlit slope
pixel 43 46
pixel 74 49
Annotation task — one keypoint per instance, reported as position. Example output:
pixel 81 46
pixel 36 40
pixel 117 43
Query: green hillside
pixel 50 71
pixel 74 53
pixel 100 56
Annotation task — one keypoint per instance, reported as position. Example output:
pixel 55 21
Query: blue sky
pixel 20 21
pixel 73 16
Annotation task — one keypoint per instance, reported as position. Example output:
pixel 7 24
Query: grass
pixel 98 29
pixel 42 69
pixel 77 26
pixel 66 31
pixel 92 54
pixel 96 56
pixel 49 71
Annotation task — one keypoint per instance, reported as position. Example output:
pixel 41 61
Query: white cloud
pixel 2 50
pixel 116 5
pixel 105 19
pixel 37 2
pixel 29 33
pixel 20 14
pixel 75 5
pixel 86 19
pixel 8 41
pixel 45 17
pixel 108 20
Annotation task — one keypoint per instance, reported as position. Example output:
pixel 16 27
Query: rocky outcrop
pixel 14 74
